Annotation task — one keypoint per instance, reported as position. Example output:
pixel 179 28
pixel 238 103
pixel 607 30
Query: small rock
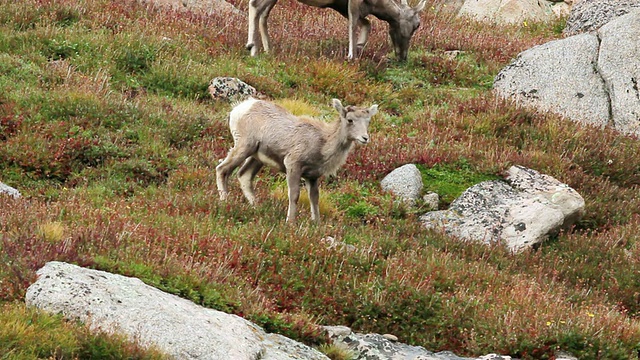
pixel 229 88
pixel 337 331
pixel 6 189
pixel 404 182
pixel 390 337
pixel 452 54
pixel 563 355
pixel 431 201
pixel 332 243
pixel 494 357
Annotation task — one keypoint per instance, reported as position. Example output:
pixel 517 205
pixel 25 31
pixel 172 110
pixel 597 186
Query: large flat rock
pixel 117 304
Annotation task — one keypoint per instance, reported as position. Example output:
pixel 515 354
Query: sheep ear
pixel 338 106
pixel 373 109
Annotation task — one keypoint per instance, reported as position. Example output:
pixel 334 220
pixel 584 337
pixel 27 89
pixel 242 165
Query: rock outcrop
pixel 590 15
pixel 590 78
pixel 386 347
pixel 178 327
pixel 6 189
pixel 521 212
pixel 514 11
pixel 183 330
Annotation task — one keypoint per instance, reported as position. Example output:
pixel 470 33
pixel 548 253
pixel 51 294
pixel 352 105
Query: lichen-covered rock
pixel 387 347
pixel 231 89
pixel 6 189
pixel 535 184
pixel 521 212
pixel 380 347
pixel 590 15
pixel 404 182
pixel 118 304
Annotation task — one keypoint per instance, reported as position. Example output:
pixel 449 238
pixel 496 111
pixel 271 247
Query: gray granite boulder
pixel 520 213
pixel 590 15
pixel 6 189
pixel 559 76
pixel 118 304
pixel 590 78
pixel 619 66
pixel 404 182
pixel 513 11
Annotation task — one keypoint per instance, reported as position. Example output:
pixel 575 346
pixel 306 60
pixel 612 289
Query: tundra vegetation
pixel 107 130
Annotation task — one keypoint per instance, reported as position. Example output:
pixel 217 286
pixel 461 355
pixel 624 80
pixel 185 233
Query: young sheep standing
pixel 303 148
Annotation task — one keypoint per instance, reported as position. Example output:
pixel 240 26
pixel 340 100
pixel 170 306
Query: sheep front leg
pixel 314 198
pixel 293 183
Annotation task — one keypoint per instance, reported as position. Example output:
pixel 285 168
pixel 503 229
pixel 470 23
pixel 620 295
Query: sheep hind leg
pixel 226 167
pixel 246 174
pixel 365 27
pixel 255 11
pixel 265 9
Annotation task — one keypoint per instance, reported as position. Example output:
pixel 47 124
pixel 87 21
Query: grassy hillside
pixel 107 129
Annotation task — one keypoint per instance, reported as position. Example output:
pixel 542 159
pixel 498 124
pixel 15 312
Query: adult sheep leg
pixel 353 14
pixel 258 15
pixel 264 30
pixel 365 27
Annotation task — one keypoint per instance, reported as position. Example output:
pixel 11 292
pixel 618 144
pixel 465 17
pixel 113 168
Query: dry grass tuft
pixel 298 107
pixel 52 232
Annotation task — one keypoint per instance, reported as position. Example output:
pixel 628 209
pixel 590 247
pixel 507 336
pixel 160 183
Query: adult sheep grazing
pixel 303 148
pixel 403 21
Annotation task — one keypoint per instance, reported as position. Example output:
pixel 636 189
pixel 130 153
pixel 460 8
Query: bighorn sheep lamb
pixel 403 21
pixel 303 148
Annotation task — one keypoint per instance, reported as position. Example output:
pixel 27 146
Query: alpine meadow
pixel 108 131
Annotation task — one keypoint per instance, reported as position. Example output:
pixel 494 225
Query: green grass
pixel 29 334
pixel 107 129
pixel 451 180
